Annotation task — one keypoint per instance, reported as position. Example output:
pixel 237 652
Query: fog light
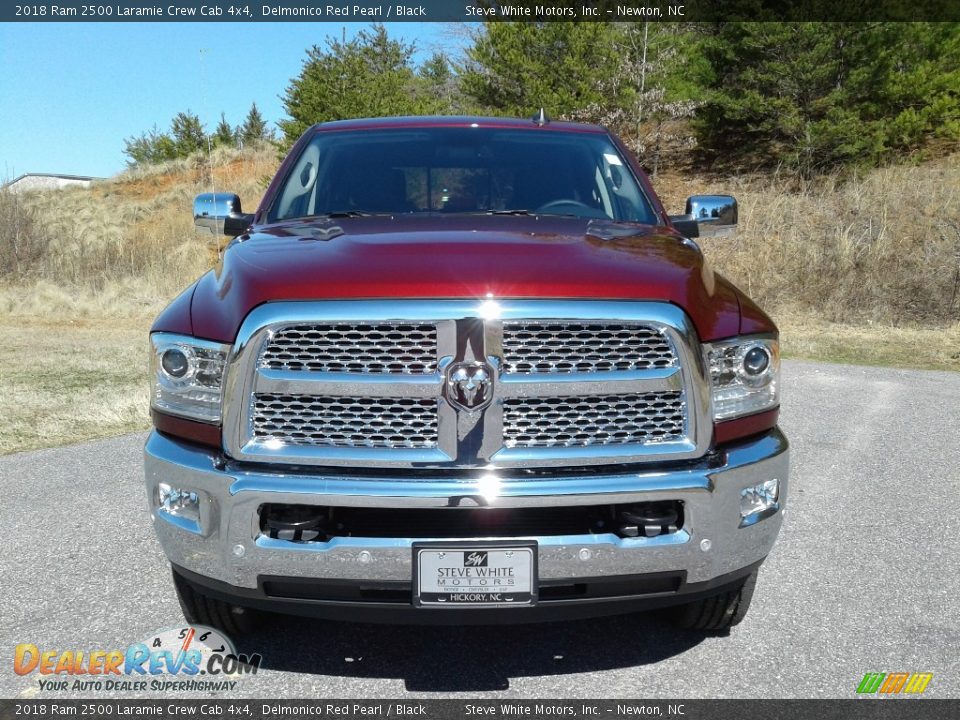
pixel 759 498
pixel 178 502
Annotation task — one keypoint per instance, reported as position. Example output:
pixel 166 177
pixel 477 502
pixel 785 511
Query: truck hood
pixel 460 257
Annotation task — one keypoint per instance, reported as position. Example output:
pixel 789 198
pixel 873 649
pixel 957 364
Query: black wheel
pixel 718 612
pixel 200 609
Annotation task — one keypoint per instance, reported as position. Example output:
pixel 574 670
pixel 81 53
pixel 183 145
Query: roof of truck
pixel 456 121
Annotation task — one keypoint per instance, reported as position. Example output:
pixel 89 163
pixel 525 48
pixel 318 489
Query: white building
pixel 46 181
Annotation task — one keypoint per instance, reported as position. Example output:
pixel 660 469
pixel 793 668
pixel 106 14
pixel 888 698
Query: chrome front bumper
pixel 226 544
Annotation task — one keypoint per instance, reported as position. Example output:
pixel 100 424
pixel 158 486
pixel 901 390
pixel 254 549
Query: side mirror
pixel 220 214
pixel 715 214
pixel 707 215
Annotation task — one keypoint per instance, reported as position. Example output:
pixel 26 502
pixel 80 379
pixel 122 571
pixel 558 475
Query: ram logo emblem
pixel 469 385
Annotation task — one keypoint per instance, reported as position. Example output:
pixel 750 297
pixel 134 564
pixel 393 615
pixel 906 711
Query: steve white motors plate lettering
pixel 475 576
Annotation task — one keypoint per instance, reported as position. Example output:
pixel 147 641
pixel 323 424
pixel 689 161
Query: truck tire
pixel 718 612
pixel 201 609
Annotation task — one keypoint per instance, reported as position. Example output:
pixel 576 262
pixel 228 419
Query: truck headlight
pixel 187 376
pixel 744 376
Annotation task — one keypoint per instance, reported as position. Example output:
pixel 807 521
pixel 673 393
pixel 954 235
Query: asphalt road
pixel 865 576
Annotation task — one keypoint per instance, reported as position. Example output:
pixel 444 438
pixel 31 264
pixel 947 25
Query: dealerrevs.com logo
pixel 195 657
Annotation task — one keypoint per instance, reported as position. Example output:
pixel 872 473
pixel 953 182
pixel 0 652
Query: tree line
pixel 188 135
pixel 811 97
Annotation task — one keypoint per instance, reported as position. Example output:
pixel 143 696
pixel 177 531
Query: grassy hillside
pixel 880 248
pixel 866 270
pixel 82 274
pixel 123 246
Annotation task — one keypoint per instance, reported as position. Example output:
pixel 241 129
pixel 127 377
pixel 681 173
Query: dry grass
pixel 883 248
pixel 126 298
pixel 134 231
pixel 67 381
pixel 934 348
pixel 82 274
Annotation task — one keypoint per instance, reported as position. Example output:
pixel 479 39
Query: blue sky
pixel 71 92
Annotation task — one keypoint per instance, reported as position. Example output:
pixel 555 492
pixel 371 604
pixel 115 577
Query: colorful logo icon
pixel 184 652
pixel 894 683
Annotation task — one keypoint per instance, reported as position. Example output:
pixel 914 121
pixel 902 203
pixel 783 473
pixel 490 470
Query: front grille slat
pixel 593 420
pixel 358 422
pixel 389 348
pixel 572 347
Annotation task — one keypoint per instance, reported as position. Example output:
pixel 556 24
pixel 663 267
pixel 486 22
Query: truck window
pixel 461 170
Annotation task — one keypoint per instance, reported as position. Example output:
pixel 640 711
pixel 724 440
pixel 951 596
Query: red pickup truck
pixel 464 370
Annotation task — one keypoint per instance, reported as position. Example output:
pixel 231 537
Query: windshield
pixel 461 170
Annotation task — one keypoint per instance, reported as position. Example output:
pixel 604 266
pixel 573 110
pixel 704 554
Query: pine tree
pixel 439 91
pixel 822 95
pixel 367 76
pixel 149 148
pixel 224 135
pixel 254 127
pixel 516 68
pixel 187 133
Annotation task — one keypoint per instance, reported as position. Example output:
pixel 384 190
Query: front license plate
pixel 474 574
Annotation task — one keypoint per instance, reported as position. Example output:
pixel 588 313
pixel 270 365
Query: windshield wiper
pixel 533 213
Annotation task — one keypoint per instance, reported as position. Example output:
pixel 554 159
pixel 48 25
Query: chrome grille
pixel 390 348
pixel 350 422
pixel 586 421
pixel 572 347
pixel 385 384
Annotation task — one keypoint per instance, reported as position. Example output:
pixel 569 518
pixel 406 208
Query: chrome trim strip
pixel 426 457
pixel 561 456
pixel 345 543
pixel 592 383
pixel 483 492
pixel 501 489
pixel 467 330
pixel 298 382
